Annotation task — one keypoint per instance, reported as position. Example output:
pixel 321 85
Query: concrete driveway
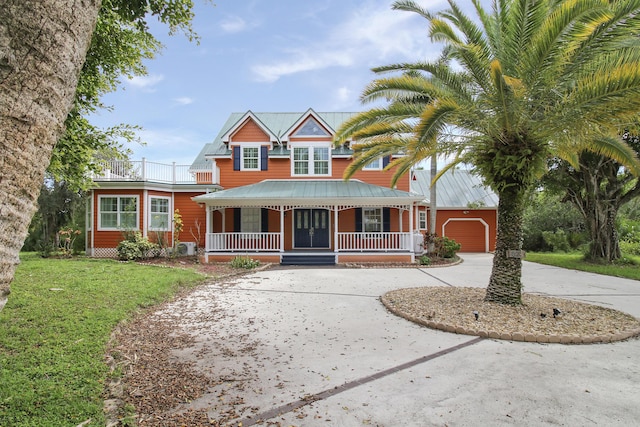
pixel 315 347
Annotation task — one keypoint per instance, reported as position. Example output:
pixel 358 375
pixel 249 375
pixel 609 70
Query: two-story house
pixel 271 186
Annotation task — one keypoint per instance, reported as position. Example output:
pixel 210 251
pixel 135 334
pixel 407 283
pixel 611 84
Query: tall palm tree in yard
pixel 513 87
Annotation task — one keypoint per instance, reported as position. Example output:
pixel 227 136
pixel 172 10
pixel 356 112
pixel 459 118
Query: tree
pixel 43 46
pixel 534 79
pixel 598 188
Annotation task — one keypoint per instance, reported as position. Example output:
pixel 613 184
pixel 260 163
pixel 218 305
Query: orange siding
pixel 193 215
pixel 250 132
pixel 281 169
pixel 468 229
pixel 110 239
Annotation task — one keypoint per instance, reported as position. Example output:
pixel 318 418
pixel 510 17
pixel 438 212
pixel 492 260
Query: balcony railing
pixel 377 242
pixel 144 170
pixel 241 242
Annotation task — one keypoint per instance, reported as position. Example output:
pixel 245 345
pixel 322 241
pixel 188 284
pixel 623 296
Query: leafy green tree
pixel 59 206
pixel 598 188
pixel 547 213
pixel 530 80
pixel 43 48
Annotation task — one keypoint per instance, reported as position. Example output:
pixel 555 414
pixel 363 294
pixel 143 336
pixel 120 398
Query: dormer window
pixel 311 128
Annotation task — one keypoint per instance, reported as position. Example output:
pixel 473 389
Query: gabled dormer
pixel 249 140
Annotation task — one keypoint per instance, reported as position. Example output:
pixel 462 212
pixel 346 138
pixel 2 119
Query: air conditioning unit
pixel 186 248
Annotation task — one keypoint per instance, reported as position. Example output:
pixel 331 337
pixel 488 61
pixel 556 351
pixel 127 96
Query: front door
pixel 311 228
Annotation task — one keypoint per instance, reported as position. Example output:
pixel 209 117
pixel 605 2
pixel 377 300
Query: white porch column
pixel 335 229
pixel 208 226
pixel 411 242
pixel 281 228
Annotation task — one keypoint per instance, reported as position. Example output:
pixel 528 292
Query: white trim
pixel 378 167
pixel 482 221
pixel 118 196
pixel 310 146
pixel 169 213
pixel 244 145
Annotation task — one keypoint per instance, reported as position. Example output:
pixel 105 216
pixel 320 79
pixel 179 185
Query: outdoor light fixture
pixel 476 314
pixel 556 312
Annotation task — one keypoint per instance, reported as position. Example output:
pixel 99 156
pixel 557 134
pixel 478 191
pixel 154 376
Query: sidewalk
pixel 321 350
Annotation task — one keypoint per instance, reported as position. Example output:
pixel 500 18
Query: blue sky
pixel 262 55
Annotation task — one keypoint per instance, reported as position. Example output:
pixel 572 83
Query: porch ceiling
pixel 309 193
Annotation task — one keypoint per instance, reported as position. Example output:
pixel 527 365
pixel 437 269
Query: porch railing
pixel 239 242
pixel 144 170
pixel 396 241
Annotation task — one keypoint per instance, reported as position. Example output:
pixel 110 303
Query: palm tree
pixel 530 80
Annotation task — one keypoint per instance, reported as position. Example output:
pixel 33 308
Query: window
pixel 311 161
pixel 321 161
pixel 118 212
pixel 372 220
pixel 374 165
pixel 250 158
pixel 422 220
pixel 301 161
pixel 89 220
pixel 311 128
pixel 250 222
pixel 159 214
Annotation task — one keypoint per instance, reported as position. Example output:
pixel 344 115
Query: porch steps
pixel 308 259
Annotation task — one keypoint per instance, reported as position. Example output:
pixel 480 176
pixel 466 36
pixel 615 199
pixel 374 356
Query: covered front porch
pixel 303 220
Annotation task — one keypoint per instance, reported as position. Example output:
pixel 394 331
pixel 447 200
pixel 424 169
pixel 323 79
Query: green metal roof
pixel 277 123
pixel 308 193
pixel 456 188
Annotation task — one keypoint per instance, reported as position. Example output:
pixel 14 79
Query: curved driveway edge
pixel 325 351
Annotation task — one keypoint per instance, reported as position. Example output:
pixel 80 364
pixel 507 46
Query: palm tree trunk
pixel 43 45
pixel 505 284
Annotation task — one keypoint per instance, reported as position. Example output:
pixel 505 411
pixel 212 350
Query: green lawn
pixel 574 261
pixel 54 329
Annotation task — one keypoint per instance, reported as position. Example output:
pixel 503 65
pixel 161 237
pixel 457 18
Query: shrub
pixel 244 262
pixel 136 247
pixel 557 240
pixel 424 260
pixel 443 247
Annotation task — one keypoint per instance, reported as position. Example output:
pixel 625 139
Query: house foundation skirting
pixel 341 257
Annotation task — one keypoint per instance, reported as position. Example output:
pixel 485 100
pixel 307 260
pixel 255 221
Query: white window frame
pixel 374 165
pixel 119 212
pixel 89 218
pixel 244 146
pixel 368 214
pixel 250 216
pixel 311 161
pixel 422 220
pixel 168 213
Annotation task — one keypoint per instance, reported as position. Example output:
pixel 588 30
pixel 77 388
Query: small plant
pixel 424 260
pixel 45 248
pixel 67 236
pixel 136 247
pixel 244 262
pixel 443 247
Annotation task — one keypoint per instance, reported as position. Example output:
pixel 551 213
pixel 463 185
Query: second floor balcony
pixel 146 171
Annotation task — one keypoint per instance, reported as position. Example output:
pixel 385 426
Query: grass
pixel 54 331
pixel 628 268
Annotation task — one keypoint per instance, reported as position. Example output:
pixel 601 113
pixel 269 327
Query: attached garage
pixel 471 233
pixel 466 210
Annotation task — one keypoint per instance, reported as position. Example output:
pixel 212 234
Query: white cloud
pixel 234 24
pixel 369 36
pixel 146 82
pixel 184 100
